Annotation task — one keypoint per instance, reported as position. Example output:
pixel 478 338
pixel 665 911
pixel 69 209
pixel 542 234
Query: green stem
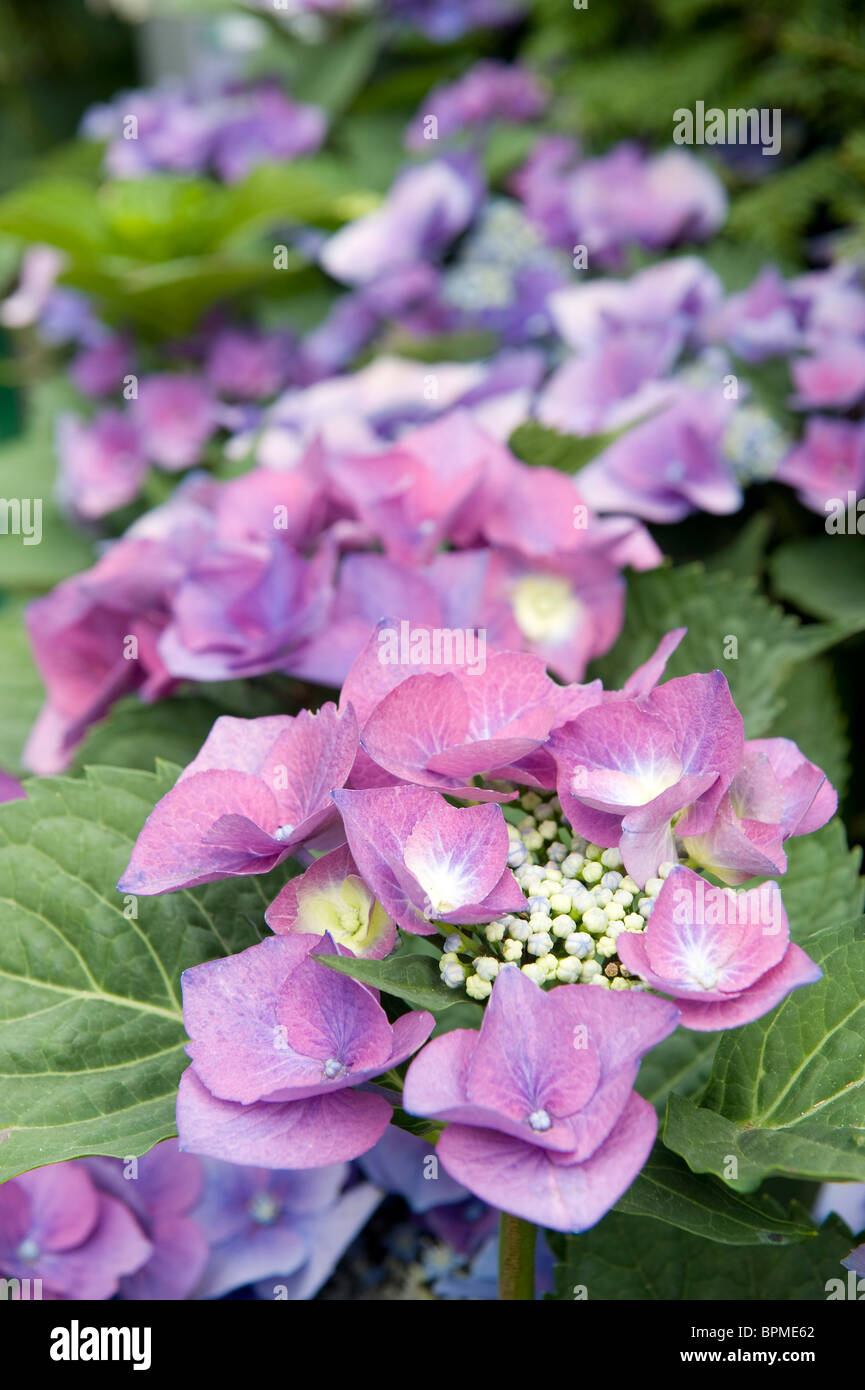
pixel 516 1258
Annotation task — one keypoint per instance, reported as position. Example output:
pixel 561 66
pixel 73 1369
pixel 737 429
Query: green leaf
pixel 824 577
pixel 822 884
pixel 544 447
pixel 627 1258
pixel 27 470
pixel 681 1063
pixel 415 978
pixel 332 74
pixel 135 735
pixel 21 691
pixel 813 716
pixel 787 1093
pixel 91 1031
pixel 666 1190
pixel 716 608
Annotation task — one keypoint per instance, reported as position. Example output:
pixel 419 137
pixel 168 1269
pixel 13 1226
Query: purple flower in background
pixel 175 417
pixel 856 1261
pixel 101 462
pixel 56 1226
pixel 833 377
pixel 725 957
pixel 160 1189
pixel 244 608
pixel 425 210
pixel 552 1131
pixel 669 465
pixel 489 92
pixel 282 1230
pixel 255 792
pixel 400 1163
pixel 227 131
pixel 267 126
pixel 827 464
pixel 99 368
pixel 446 20
pixel 762 321
pixel 280 1044
pixel 425 859
pixel 247 365
pixel 330 896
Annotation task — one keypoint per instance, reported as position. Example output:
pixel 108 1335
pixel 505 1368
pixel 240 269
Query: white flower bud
pixel 539 943
pixel 512 950
pixel 548 829
pixel 622 896
pixel 665 869
pixel 619 983
pixel 550 965
pixel 611 859
pixel 602 896
pixel 529 801
pixel 612 880
pixel 562 925
pixel 494 931
pixel 590 969
pixel 614 911
pixel 478 988
pixel 454 942
pixel 634 922
pixel 568 971
pixel 629 885
pixel 538 922
pixel 447 958
pixel 579 944
pixel 518 930
pixel 535 972
pixel 533 840
pixel 595 920
pixel 654 886
pixel 454 974
pixel 592 872
pixel 572 865
pixel 600 980
pixel 594 852
pixel 487 967
pixel 644 906
pixel 560 902
pixel 605 947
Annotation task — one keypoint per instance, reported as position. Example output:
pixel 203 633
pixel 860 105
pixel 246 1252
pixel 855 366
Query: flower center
pixel 28 1251
pixel 264 1209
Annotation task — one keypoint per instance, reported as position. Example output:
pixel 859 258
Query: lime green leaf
pixel 666 1190
pixel 415 978
pixel 548 448
pixel 627 1258
pixel 91 1032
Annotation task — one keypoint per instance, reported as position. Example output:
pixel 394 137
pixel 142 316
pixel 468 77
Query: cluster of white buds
pixel 578 902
